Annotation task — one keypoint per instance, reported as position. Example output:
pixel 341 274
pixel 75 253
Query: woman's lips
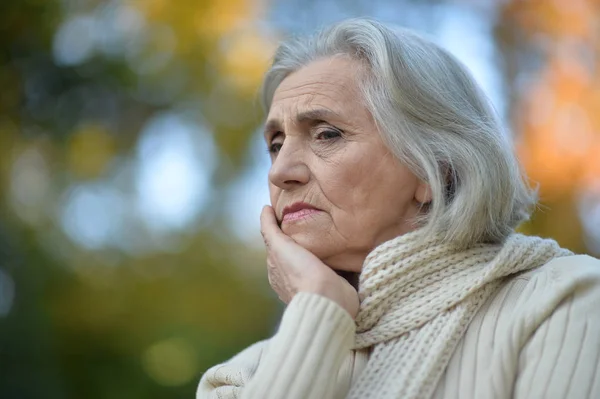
pixel 299 215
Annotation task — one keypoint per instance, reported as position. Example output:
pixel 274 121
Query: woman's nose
pixel 289 169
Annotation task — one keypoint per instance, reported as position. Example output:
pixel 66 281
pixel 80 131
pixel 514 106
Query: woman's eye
pixel 274 148
pixel 328 135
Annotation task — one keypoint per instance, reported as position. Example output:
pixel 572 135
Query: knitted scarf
pixel 418 296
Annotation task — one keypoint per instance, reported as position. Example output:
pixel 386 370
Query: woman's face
pixel 326 153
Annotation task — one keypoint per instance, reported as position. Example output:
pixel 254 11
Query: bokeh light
pixel 92 215
pixel 171 362
pixel 175 161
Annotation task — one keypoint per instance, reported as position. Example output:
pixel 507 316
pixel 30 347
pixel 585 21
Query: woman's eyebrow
pixel 271 127
pixel 311 117
pixel 316 115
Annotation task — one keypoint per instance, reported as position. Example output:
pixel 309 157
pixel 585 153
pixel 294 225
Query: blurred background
pixel 132 172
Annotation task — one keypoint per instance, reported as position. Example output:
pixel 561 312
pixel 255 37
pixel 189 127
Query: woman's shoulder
pixel 565 288
pixel 564 273
pixel 551 329
pixel 570 283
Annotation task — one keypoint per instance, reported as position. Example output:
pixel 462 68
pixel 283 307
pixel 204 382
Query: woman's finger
pixel 268 226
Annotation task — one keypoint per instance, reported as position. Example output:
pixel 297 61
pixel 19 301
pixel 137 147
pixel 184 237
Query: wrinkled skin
pixel 326 151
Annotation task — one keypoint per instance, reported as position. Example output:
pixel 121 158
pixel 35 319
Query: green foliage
pixel 107 323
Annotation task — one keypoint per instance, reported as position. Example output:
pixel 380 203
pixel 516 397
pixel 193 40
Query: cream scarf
pixel 418 297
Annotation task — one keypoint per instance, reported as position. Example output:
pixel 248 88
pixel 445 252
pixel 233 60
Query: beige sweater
pixel 311 357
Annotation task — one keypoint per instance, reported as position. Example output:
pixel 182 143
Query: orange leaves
pixel 245 60
pixel 220 18
pixel 559 121
pixel 556 18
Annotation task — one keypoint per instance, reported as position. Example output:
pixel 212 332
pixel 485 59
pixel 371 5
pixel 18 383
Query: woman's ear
pixel 423 193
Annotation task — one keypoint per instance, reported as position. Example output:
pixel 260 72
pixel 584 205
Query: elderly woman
pixel 388 165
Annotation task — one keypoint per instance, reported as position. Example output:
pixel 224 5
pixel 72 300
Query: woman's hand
pixel 294 269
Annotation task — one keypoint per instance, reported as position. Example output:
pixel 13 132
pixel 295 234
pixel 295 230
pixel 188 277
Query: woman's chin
pixel 307 232
pixel 319 240
pixel 315 243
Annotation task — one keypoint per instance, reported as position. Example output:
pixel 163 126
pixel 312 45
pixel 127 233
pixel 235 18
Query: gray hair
pixel 434 118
